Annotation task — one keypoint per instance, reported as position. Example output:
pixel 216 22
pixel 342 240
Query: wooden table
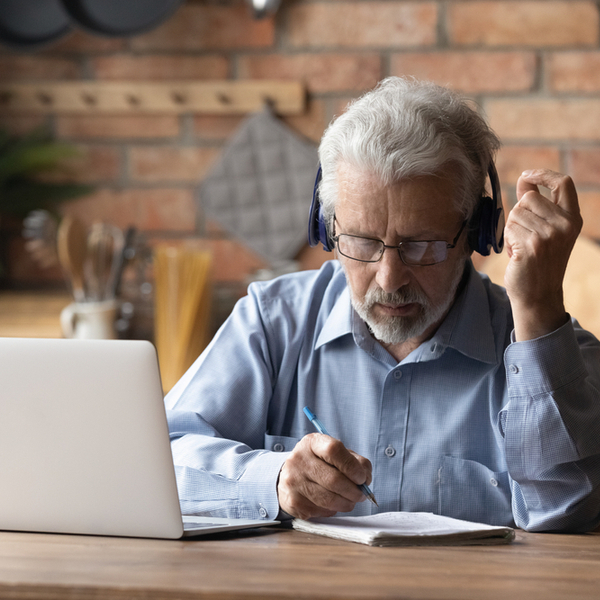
pixel 273 563
pixel 31 314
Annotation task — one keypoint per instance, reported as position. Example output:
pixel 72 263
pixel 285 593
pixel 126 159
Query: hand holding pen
pixel 364 488
pixel 321 477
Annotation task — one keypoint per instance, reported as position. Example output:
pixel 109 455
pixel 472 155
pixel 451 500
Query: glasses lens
pixel 359 248
pixel 424 253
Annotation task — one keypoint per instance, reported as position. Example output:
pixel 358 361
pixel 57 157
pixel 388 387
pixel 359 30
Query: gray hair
pixel 406 128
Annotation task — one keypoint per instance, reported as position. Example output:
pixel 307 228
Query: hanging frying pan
pixel 120 17
pixel 29 24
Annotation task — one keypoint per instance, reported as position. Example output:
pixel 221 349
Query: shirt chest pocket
pixel 280 443
pixel 469 490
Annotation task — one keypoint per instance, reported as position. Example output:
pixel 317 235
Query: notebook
pixel 84 443
pixel 407 529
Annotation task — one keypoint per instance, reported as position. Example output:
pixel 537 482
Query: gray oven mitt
pixel 261 187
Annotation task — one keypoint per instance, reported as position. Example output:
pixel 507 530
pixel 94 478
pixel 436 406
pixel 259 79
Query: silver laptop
pixel 84 444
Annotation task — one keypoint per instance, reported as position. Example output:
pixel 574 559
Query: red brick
pixel 545 119
pixel 37 67
pixel 117 126
pixel 362 24
pixel 312 258
pixel 233 261
pixel 167 209
pixel 162 209
pixel 513 160
pixel 213 127
pixel 319 72
pixel 574 71
pixel 341 104
pixel 584 166
pixel 209 26
pixel 21 124
pixel 311 123
pixel 525 23
pixel 151 164
pixel 213 229
pixel 80 42
pixel 157 67
pixel 470 72
pixel 116 207
pixel 589 201
pixel 93 164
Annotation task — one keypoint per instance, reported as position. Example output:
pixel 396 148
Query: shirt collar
pixel 467 327
pixel 339 321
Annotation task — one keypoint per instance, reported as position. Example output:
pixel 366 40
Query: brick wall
pixel 532 65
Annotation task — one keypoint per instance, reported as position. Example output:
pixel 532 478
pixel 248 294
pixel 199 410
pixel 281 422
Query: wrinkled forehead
pixel 419 204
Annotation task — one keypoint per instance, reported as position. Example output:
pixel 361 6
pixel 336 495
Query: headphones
pixel 485 228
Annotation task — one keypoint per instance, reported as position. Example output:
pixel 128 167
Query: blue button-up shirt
pixel 469 425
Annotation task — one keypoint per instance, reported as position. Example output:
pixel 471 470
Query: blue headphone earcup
pixel 486 229
pixel 482 235
pixel 317 228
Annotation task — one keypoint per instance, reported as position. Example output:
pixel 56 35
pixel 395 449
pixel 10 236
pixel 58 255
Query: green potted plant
pixel 23 160
pixel 25 163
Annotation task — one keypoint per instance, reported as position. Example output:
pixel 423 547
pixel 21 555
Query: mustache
pixel 402 296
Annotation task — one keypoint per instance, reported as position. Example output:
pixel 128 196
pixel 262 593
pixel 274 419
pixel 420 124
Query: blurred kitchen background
pixel 214 183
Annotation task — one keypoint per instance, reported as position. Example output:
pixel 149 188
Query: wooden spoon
pixel 72 249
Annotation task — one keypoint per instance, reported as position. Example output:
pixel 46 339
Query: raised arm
pixel 540 233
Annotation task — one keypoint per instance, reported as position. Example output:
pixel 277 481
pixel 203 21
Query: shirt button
pixel 262 511
pixel 494 482
pixel 390 451
pixel 278 447
pixel 433 347
pixel 397 374
pixel 513 369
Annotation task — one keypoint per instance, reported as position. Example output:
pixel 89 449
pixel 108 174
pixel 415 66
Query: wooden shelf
pixel 95 97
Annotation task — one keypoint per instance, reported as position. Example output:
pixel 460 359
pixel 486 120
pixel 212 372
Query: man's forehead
pixel 413 207
pixel 351 176
pixel 361 187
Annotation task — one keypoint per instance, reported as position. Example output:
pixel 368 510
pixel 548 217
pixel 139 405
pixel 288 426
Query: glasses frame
pixel 449 246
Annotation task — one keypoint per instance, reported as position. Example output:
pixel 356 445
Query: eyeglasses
pixel 418 253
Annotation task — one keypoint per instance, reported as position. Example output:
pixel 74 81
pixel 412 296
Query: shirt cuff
pixel 544 364
pixel 258 486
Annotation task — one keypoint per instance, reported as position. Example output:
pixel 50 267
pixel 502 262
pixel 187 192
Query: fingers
pixel 562 189
pixel 546 217
pixel 321 477
pixel 366 465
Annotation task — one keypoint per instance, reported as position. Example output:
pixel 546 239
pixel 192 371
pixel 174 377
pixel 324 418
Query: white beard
pixel 397 330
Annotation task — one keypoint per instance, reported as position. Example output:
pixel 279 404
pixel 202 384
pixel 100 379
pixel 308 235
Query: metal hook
pixel 45 98
pixel 89 99
pixel 223 98
pixel 133 100
pixel 178 98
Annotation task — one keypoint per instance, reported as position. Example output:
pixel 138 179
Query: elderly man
pixel 442 391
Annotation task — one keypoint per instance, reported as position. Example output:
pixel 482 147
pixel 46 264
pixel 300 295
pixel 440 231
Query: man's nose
pixel 392 273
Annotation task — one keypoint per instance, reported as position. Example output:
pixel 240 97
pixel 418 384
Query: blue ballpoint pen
pixel 321 429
